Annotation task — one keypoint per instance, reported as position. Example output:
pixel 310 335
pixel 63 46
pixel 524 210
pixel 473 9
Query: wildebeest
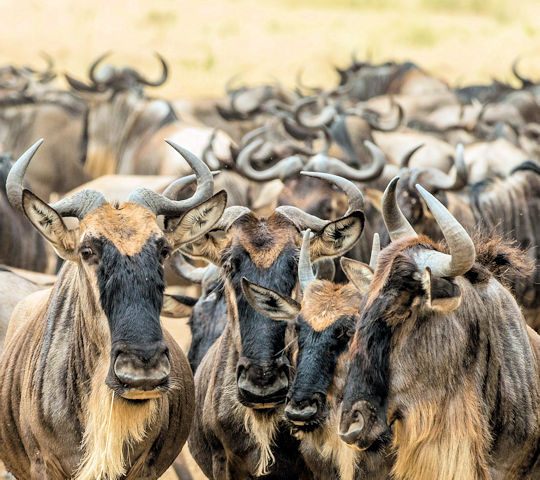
pixel 207 314
pixel 21 246
pixel 240 384
pixel 90 385
pixel 442 355
pixel 124 127
pixel 61 119
pixel 324 322
pixel 506 207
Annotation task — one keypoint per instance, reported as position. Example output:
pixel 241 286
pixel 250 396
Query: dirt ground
pixel 208 41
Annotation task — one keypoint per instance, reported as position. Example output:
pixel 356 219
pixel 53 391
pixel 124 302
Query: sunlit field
pixel 208 41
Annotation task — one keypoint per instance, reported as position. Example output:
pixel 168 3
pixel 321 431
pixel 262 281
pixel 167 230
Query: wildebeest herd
pixel 366 260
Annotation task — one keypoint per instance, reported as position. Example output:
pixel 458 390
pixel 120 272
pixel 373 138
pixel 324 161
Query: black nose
pixel 302 412
pixel 143 368
pixel 262 384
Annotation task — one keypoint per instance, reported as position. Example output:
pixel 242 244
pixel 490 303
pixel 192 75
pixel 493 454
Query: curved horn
pixel 93 67
pixel 78 85
pixel 305 270
pixel 161 205
pixel 230 215
pixel 164 74
pixel 303 220
pixel 438 180
pixel 375 250
pixel 284 168
pixel 525 82
pixel 14 181
pixel 253 134
pixel 316 121
pixel 462 252
pixel 77 205
pixel 374 123
pixel 396 223
pixel 174 189
pixel 404 163
pixel 338 167
pixel 356 199
pixel 187 271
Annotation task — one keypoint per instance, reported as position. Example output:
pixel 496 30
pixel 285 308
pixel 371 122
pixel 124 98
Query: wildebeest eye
pixel 164 252
pixel 86 253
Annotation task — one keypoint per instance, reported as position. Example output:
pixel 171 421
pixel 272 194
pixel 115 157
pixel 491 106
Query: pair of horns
pixel 462 252
pixel 434 178
pixel 82 203
pixel 305 269
pixel 319 162
pixel 98 84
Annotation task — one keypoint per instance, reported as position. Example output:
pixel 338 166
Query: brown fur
pixel 464 394
pixel 325 302
pixel 59 418
pixel 263 238
pixel 138 224
pixel 441 440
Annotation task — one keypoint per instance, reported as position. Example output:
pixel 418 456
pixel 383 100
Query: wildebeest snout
pixel 361 427
pixel 303 411
pixel 141 369
pixel 262 385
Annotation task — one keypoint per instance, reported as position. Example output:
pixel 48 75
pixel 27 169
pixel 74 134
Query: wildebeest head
pixel 413 280
pixel 324 323
pixel 309 191
pixel 117 79
pixel 265 251
pixel 434 180
pixel 119 252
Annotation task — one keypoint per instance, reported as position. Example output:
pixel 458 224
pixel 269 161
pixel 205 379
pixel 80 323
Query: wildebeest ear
pixel 51 225
pixel 198 221
pixel 177 306
pixel 337 237
pixel 443 294
pixel 358 273
pixel 269 303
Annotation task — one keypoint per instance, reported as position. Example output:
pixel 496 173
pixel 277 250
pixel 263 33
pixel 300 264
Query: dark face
pixel 364 407
pixel 207 321
pixel 130 288
pixel 263 368
pixel 317 359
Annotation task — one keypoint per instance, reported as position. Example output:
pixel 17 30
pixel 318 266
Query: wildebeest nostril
pixel 352 435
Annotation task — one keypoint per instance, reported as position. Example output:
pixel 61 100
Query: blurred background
pixel 208 41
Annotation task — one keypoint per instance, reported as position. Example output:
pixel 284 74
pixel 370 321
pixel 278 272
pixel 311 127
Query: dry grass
pixel 208 41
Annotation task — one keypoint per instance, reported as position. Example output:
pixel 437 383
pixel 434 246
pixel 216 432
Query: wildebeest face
pixel 120 252
pixel 319 352
pixel 402 293
pixel 263 367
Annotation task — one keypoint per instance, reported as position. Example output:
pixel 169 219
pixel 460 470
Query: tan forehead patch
pixel 129 227
pixel 264 239
pixel 325 302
